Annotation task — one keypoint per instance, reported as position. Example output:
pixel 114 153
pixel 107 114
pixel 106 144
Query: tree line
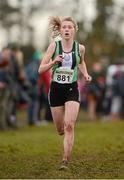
pixel 103 41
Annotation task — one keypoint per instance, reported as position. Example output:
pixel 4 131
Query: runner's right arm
pixel 46 62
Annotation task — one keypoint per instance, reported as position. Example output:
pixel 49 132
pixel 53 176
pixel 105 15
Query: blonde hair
pixel 55 25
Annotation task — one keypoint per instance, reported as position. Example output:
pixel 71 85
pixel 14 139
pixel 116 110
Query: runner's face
pixel 67 30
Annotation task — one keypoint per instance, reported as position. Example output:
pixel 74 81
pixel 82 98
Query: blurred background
pixel 24 37
pixel 101 24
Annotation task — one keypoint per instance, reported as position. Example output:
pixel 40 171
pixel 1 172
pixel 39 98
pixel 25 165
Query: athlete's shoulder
pixel 52 44
pixel 81 48
pixel 51 47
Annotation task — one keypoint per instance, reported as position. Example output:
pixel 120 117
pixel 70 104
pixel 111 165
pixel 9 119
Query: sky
pixel 40 21
pixel 86 11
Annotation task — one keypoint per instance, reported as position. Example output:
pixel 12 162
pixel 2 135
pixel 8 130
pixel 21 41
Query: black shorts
pixel 61 93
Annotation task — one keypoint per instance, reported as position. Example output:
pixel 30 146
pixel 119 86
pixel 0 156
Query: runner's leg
pixel 58 118
pixel 71 112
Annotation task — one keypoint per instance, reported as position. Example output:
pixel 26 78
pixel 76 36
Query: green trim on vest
pixel 58 51
pixel 77 62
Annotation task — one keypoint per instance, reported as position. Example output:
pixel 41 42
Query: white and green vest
pixel 67 70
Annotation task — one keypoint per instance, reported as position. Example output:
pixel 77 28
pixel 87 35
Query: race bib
pixel 63 75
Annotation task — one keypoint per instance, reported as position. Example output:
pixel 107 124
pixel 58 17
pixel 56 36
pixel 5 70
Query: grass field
pixel 35 152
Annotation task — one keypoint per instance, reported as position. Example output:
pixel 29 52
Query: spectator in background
pixel 96 91
pixel 18 80
pixel 43 86
pixel 19 57
pixel 111 70
pixel 117 87
pixel 121 90
pixel 13 76
pixel 4 87
pixel 83 92
pixel 109 105
pixel 32 76
pixel 22 84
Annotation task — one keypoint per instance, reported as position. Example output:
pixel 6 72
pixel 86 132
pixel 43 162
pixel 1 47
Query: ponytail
pixel 54 25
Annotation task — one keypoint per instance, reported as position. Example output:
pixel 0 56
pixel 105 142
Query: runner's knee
pixel 69 126
pixel 60 130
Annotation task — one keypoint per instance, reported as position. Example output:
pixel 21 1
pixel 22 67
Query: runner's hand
pixel 58 59
pixel 88 78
